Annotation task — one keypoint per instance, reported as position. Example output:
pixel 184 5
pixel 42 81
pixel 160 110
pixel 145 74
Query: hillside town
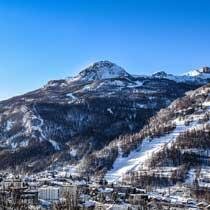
pixel 49 191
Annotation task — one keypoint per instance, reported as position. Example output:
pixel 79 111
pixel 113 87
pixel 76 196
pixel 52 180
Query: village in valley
pixel 52 191
pixel 61 191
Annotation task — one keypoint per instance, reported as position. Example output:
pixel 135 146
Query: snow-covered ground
pixel 73 97
pixel 54 144
pixel 73 152
pixel 139 158
pixel 191 175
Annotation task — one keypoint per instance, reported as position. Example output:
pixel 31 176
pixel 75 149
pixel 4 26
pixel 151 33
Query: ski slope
pixel 138 159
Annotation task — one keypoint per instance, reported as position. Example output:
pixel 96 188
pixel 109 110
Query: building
pixel 15 182
pixel 206 70
pixel 68 188
pixel 138 199
pixel 49 193
pixel 54 193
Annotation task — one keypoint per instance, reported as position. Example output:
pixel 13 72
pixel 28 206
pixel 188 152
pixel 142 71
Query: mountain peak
pixel 160 74
pixel 102 70
pixel 198 72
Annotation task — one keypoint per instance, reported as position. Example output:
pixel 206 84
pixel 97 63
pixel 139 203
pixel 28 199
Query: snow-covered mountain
pixel 199 76
pixel 102 70
pixel 202 72
pixel 68 120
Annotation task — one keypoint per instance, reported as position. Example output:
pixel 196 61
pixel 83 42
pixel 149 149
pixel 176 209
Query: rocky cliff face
pixel 68 119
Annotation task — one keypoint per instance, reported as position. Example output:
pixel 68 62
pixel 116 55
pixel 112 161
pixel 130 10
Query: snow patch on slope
pixel 110 111
pixel 73 152
pixel 54 144
pixel 9 125
pixel 70 95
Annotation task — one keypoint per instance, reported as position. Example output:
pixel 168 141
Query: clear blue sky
pixel 52 39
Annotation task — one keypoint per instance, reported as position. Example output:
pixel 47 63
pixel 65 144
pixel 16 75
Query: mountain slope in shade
pixel 68 120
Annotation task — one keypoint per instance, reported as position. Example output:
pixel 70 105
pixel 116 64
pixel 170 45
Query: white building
pixel 52 193
pixel 49 193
